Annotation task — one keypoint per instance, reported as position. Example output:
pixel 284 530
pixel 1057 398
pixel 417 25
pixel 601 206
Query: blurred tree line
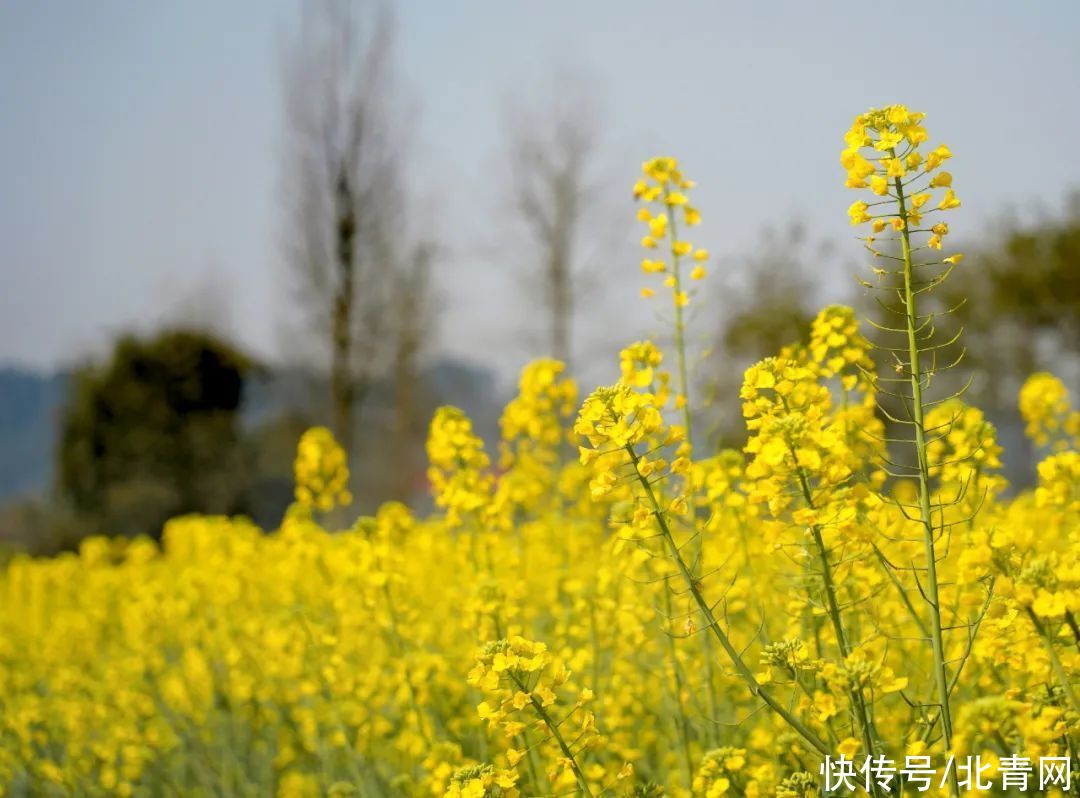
pixel 154 433
pixel 1018 300
pixel 156 428
pixel 181 421
pixel 1015 298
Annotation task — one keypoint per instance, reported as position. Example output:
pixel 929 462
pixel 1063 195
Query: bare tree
pixel 550 152
pixel 414 317
pixel 347 243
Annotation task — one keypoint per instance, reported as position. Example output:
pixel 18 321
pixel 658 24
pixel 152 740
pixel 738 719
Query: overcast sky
pixel 140 145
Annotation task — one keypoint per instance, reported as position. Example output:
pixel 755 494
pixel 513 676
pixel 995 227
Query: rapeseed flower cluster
pixel 646 619
pixel 459 466
pixel 1050 419
pixel 883 155
pixel 664 188
pixel 321 471
pixel 534 436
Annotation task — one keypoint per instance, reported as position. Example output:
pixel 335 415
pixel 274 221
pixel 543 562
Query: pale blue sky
pixel 139 150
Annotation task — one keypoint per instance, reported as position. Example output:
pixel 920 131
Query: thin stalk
pixel 682 722
pixel 858 700
pixel 964 659
pixel 684 392
pixel 901 592
pixel 1055 662
pixel 553 727
pixel 530 758
pixel 680 324
pixel 1070 619
pixel 932 594
pixel 741 668
pixel 530 753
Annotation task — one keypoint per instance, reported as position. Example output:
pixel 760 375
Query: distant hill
pixel 31 403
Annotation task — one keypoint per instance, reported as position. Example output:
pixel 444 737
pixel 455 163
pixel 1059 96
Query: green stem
pixel 530 758
pixel 684 392
pixel 1055 662
pixel 901 591
pixel 682 722
pixel 932 594
pixel 554 729
pixel 1070 619
pixel 680 324
pixel 858 700
pixel 959 669
pixel 741 668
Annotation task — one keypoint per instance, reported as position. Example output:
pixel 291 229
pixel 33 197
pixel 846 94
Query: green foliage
pixel 154 433
pixel 1022 308
pixel 769 308
pixel 776 307
pixel 1016 296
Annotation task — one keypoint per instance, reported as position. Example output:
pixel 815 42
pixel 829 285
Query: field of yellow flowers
pixel 602 607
